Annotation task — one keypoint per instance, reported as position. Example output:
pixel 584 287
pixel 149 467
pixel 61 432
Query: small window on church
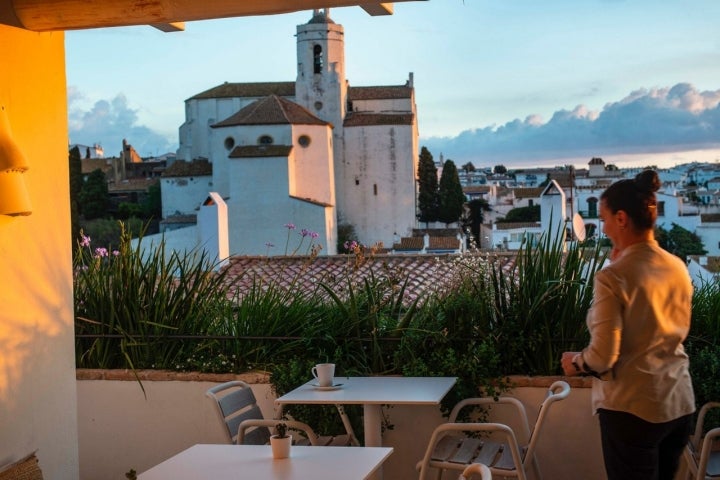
pixel 661 209
pixel 229 143
pixel 304 141
pixel 375 189
pixel 318 105
pixel 265 140
pixel 317 59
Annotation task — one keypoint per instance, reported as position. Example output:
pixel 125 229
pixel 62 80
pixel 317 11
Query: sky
pixel 514 82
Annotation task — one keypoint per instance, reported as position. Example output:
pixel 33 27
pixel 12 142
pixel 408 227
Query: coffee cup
pixel 324 373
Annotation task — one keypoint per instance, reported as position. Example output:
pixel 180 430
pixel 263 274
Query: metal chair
pixel 476 468
pixel 244 423
pixel 702 460
pixel 451 448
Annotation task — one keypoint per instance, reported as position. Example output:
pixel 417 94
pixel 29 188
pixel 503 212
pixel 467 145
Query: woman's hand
pixel 568 367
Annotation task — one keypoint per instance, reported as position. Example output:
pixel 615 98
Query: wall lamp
pixel 14 198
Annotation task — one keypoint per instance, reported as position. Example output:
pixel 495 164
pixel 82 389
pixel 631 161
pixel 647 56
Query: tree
pixel 475 216
pixel 680 241
pixel 152 204
pixel 468 167
pixel 451 195
pixel 94 198
pixel 500 169
pixel 428 197
pixel 76 183
pixel 523 214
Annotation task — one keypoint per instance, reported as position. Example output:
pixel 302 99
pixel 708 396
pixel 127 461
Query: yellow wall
pixel 38 398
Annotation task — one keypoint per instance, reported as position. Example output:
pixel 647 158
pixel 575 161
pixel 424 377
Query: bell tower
pixel 320 85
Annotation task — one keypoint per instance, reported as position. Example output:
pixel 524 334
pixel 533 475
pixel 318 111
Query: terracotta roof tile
pixel 182 168
pixel 259 89
pixel 252 151
pixel 271 110
pixel 512 225
pixel 425 273
pixel 444 243
pixel 379 92
pixel 368 119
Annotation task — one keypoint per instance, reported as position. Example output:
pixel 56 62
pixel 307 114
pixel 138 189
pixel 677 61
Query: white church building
pixel 316 153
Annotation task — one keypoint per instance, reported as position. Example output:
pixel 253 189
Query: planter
pixel 280 446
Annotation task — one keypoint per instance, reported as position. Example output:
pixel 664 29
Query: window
pixel 229 143
pixel 317 59
pixel 304 141
pixel 592 207
pixel 375 189
pixel 661 209
pixel 318 105
pixel 265 140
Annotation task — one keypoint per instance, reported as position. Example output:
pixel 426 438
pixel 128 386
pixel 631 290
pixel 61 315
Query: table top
pixel 374 390
pixel 225 462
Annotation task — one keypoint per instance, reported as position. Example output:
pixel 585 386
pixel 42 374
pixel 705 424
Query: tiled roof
pixel 713 263
pixel 259 89
pixel 444 243
pixel 251 151
pixel 181 168
pixel 271 110
pixel 368 119
pixel 522 192
pixel 287 89
pixel 379 93
pixel 410 243
pixel 426 273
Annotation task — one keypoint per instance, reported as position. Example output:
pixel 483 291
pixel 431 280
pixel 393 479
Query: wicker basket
pixel 25 469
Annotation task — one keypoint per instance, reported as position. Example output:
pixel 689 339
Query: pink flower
pixel 101 252
pixel 85 242
pixel 290 226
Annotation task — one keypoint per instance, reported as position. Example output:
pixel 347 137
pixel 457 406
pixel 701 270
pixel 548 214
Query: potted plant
pixel 281 441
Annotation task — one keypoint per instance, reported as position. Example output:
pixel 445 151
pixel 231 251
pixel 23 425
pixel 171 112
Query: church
pixel 317 154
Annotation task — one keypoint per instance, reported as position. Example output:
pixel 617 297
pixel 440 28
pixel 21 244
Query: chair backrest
pixel 559 390
pixel 247 427
pixel 235 403
pixel 476 468
pixel 444 429
pixel 703 461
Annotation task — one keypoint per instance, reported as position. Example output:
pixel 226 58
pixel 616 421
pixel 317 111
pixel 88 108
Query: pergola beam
pixel 49 15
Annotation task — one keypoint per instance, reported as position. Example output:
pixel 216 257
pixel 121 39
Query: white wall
pixel 382 156
pixel 38 408
pixel 184 195
pixel 120 429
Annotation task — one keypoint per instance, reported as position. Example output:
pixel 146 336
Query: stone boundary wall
pixel 260 377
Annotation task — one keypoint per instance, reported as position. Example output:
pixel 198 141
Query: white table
pixel 252 462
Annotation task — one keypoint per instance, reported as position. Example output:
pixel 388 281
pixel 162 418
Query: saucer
pixel 329 387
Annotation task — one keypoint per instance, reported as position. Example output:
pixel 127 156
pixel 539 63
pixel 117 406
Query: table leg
pixel 372 422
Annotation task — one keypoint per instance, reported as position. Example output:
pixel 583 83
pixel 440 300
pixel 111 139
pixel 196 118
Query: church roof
pixel 271 110
pixel 258 89
pixel 251 151
pixel 379 93
pixel 181 168
pixel 369 119
pixel 287 89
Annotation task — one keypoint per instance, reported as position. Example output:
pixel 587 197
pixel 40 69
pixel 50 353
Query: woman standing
pixel 640 316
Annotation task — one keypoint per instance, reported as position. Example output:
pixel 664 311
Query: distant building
pixel 316 152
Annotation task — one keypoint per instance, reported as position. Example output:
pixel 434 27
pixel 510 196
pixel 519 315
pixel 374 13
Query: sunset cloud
pixel 655 120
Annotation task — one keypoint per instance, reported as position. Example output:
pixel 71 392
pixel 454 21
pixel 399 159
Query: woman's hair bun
pixel 647 181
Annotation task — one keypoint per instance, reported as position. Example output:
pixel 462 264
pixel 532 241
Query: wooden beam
pixel 376 9
pixel 48 15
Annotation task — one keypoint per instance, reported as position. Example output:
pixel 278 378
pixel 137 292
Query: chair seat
pixel 466 450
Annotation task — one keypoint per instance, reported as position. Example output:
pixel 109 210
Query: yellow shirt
pixel 639 318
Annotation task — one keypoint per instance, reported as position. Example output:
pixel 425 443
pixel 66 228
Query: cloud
pixel 656 120
pixel 108 122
